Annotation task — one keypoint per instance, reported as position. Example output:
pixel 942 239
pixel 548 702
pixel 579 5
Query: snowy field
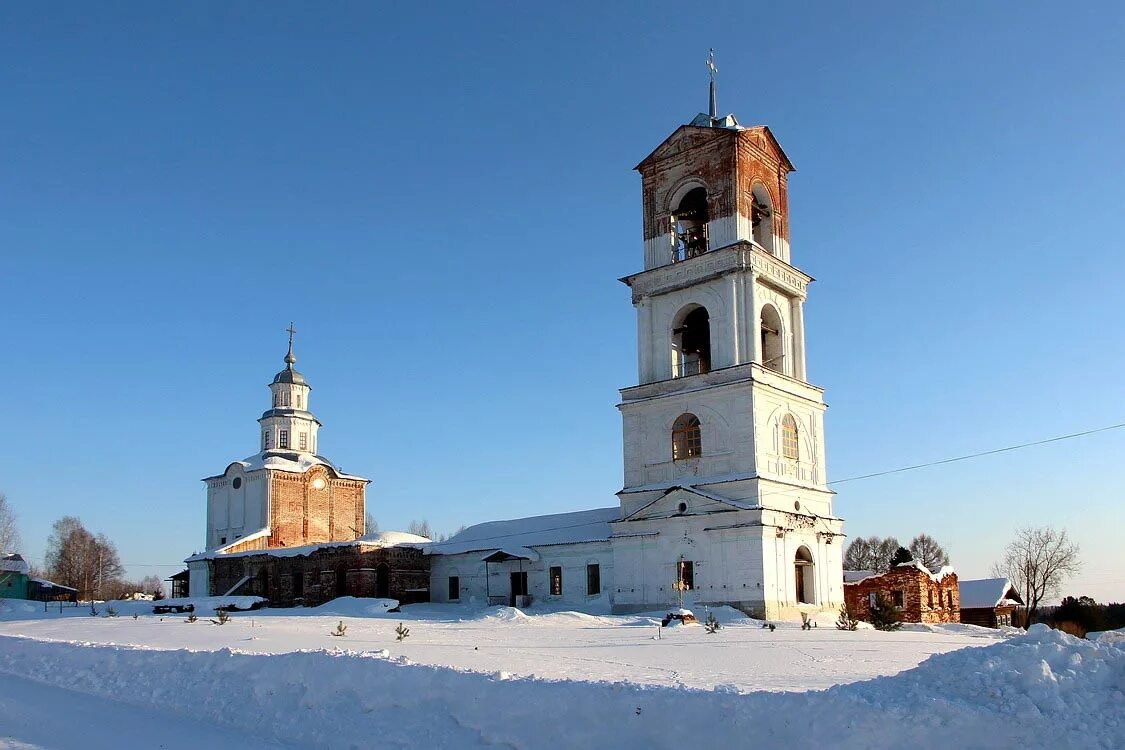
pixel 474 678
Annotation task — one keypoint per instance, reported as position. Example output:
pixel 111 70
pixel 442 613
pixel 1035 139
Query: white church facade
pixel 725 495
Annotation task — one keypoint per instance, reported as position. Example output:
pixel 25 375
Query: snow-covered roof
pixel 295 462
pixel 851 576
pixel 375 539
pixel 946 570
pixel 12 562
pixel 986 593
pixel 517 535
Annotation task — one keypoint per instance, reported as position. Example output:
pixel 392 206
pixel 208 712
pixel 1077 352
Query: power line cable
pixel 860 477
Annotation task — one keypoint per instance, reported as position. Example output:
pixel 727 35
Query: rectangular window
pixel 687 574
pixel 285 398
pixel 298 400
pixel 931 598
pixel 283 439
pixel 950 595
pixel 556 581
pixel 593 579
pixel 304 441
pixel 454 588
pixel 265 441
pixel 872 599
pixel 899 598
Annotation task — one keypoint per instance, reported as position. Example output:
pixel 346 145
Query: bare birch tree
pixel 9 535
pixel 1037 562
pixel 927 551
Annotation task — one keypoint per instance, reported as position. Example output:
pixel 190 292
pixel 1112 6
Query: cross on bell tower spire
pixel 714 109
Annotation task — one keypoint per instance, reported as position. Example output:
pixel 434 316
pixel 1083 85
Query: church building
pixel 725 497
pixel 287 524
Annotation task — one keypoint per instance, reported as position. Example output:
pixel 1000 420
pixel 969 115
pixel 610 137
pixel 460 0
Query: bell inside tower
pixel 761 216
pixel 689 225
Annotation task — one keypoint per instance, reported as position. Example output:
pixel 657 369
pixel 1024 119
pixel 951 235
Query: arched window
pixel 790 447
pixel 689 224
pixel 691 342
pixel 687 439
pixel 761 217
pixel 773 353
pixel 805 576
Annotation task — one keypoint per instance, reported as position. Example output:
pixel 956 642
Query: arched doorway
pixel 773 351
pixel 804 572
pixel 383 581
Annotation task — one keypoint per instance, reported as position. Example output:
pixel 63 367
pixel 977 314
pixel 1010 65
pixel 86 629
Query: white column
pixel 752 324
pixel 645 370
pixel 797 312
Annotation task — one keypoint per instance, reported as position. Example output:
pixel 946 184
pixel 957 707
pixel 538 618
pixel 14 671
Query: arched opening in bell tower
pixel 761 217
pixel 773 349
pixel 691 342
pixel 689 223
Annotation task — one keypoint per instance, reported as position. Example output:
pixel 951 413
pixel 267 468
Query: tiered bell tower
pixel 724 420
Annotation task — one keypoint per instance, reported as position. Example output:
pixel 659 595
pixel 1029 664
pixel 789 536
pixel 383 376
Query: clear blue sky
pixel 442 199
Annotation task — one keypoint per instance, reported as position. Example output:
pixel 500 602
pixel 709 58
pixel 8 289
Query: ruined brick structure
pixel 312 575
pixel 921 595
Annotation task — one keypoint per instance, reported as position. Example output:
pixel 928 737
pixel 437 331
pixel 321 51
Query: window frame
pixel 593 579
pixel 453 592
pixel 554 580
pixel 687 437
pixel 283 439
pixel 685 574
pixel 790 438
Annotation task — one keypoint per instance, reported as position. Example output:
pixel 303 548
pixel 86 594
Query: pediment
pixel 685 138
pixel 684 501
pixel 763 139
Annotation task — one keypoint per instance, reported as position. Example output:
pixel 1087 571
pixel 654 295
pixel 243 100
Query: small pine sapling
pixel 340 631
pixel 191 617
pixel 135 615
pixel 711 625
pixel 224 618
pixel 401 632
pixel 93 610
pixel 846 620
pixel 884 614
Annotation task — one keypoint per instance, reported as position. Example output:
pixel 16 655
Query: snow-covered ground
pixel 470 677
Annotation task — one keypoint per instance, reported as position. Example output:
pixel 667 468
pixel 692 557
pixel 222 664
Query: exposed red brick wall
pixel 924 599
pixel 302 514
pixel 729 162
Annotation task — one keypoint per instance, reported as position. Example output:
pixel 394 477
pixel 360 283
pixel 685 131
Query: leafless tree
pixel 78 559
pixel 370 525
pixel 9 535
pixel 1037 562
pixel 927 551
pixel 421 528
pixel 152 585
pixel 860 554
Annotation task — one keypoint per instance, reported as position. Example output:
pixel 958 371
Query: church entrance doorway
pixel 383 581
pixel 519 586
pixel 804 573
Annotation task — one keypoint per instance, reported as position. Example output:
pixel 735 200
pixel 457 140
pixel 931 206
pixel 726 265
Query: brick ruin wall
pixel 923 599
pixel 326 573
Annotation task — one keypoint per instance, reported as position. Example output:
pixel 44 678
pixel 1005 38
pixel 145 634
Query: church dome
pixel 289 375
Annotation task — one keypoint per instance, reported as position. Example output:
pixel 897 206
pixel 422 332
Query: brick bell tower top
pixel 714 183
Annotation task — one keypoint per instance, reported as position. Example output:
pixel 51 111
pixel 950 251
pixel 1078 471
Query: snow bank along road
pixel 1045 689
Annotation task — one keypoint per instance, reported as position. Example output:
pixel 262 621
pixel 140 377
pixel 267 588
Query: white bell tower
pixel 723 430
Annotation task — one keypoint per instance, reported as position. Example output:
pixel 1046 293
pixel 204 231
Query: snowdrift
pixel 1043 689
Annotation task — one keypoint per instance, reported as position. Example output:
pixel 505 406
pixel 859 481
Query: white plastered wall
pixel 233 513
